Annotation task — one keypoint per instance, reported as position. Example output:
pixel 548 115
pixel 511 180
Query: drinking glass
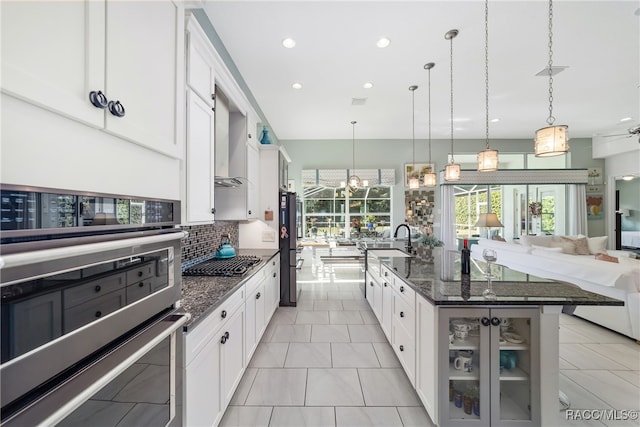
pixel 489 256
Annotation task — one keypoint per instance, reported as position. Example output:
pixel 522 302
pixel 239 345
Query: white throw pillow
pixel 597 244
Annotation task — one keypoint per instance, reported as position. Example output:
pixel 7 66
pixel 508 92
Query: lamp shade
pixel 452 172
pixel 429 180
pixel 551 141
pixel 488 220
pixel 488 160
pixel 414 183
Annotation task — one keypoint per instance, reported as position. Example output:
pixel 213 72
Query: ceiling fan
pixel 633 130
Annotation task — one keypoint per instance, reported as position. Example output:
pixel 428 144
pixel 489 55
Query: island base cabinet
pixel 489 367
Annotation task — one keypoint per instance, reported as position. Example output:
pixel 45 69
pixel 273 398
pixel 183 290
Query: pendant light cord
pixel 451 85
pixel 486 68
pixel 550 119
pixel 413 126
pixel 353 146
pixel 429 106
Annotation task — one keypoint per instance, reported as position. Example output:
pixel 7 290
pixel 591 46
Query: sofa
pixel 582 261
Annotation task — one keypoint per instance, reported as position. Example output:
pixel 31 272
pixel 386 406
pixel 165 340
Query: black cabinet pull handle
pixel 226 335
pixel 385 284
pixel 401 288
pixel 385 274
pixel 370 283
pixel 258 295
pixel 402 314
pixel 275 274
pixel 116 108
pixel 401 348
pixel 485 321
pixel 213 210
pixel 140 273
pixel 98 99
pixel 495 321
pixel 98 313
pixel 223 314
pixel 273 263
pixel 249 212
pixel 98 288
pixel 141 284
pixel 223 340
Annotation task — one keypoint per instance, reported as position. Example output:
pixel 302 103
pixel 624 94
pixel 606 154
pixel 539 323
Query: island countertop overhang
pixel 425 278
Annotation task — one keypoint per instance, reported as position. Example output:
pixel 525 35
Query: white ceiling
pixel 336 54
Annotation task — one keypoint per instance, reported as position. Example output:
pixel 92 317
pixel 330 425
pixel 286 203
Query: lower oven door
pixel 136 381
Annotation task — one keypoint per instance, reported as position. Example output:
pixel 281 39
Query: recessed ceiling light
pixel 626 119
pixel 628 177
pixel 383 42
pixel 297 86
pixel 367 85
pixel 495 120
pixel 288 43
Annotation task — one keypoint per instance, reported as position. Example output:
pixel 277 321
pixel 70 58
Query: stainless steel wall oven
pixel 89 287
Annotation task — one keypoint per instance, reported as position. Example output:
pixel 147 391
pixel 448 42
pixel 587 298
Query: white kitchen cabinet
pixel 109 47
pixel 272 287
pixel 387 280
pixel 403 335
pixel 255 313
pixel 426 355
pixel 199 201
pixel 501 388
pixel 214 361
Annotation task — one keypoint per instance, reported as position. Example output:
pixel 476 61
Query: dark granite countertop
pixel 426 278
pixel 202 294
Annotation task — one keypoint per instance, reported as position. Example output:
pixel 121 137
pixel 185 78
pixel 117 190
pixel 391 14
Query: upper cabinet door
pixel 53 55
pixel 200 69
pixel 144 57
pixel 56 53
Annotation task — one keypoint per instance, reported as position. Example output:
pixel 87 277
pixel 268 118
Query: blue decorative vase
pixel 264 138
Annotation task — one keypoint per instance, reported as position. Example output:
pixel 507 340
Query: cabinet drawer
pixel 94 309
pixel 198 337
pixel 373 268
pixel 404 314
pixel 387 274
pixel 404 347
pixel 406 292
pixel 142 272
pixel 90 290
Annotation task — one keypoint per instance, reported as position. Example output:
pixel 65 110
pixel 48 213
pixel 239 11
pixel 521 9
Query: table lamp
pixel 488 220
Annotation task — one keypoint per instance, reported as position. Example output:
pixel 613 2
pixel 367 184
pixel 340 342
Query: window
pixel 325 212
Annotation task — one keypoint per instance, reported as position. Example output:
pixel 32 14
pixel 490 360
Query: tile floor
pixel 326 362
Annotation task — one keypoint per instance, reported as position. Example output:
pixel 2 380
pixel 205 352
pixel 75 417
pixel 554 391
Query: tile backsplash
pixel 203 240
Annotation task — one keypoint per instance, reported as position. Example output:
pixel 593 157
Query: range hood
pixel 222 114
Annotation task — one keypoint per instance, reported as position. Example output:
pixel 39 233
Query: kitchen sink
pixel 388 253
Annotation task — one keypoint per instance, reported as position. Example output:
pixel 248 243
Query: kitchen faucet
pixel 395 234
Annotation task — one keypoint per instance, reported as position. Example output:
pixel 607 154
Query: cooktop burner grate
pixel 236 266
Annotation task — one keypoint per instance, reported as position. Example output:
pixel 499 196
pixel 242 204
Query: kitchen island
pixel 471 360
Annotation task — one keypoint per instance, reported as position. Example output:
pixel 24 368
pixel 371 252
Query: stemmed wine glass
pixel 489 256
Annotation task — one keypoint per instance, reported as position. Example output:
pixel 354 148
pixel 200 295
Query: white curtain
pixel 577 209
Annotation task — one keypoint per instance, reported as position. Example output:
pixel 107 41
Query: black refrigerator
pixel 288 234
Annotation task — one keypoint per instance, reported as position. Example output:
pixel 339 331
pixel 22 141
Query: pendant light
pixel 354 182
pixel 414 181
pixel 551 140
pixel 487 158
pixel 430 177
pixel 452 170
